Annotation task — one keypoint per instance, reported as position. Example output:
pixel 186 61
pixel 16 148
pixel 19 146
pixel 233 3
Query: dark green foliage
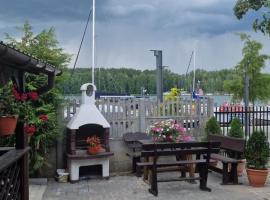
pixel 252 63
pixel 257 151
pixel 124 80
pixel 212 127
pixel 236 129
pixel 262 23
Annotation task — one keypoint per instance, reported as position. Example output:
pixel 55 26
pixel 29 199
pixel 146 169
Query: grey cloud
pixel 127 29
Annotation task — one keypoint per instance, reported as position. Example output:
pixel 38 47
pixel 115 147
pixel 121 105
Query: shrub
pixel 236 129
pixel 257 151
pixel 212 127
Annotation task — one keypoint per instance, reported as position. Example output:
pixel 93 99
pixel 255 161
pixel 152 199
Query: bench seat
pixel 232 150
pixel 131 140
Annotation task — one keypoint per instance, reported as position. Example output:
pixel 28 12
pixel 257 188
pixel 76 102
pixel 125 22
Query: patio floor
pixel 130 187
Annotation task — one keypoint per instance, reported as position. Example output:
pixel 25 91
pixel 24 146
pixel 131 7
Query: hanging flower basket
pixel 8 124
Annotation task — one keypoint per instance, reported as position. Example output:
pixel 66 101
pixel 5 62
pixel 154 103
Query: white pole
pixel 93 42
pixel 194 68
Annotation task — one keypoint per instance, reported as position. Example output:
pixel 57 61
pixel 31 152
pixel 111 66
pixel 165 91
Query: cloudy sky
pixel 127 29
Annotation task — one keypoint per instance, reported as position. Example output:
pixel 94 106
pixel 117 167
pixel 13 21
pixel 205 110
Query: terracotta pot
pixel 241 167
pixel 214 163
pixel 257 178
pixel 8 124
pixel 94 150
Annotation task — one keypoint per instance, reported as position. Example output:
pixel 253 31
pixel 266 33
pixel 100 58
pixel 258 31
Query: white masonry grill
pixel 87 121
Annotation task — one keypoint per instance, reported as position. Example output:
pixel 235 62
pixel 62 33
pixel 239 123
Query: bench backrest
pixel 180 149
pixel 229 143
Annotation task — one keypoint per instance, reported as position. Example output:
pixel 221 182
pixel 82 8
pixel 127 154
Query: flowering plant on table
pixel 169 131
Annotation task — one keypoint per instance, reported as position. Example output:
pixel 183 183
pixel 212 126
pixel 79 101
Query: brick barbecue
pixel 88 121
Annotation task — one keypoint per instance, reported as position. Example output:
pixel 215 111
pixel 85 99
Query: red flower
pixel 43 117
pixel 23 96
pixel 33 96
pixel 18 96
pixel 30 129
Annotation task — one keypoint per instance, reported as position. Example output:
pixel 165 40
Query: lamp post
pixel 159 71
pixel 246 100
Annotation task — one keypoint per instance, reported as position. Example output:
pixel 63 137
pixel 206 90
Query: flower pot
pixel 214 163
pixel 241 167
pixel 257 178
pixel 95 150
pixel 8 124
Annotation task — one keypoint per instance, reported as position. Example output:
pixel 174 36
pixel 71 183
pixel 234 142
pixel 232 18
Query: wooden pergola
pixel 14 160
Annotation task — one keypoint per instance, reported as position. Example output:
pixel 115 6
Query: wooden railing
pixel 132 114
pixel 14 169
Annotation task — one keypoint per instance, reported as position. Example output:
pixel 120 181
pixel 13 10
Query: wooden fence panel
pixel 132 115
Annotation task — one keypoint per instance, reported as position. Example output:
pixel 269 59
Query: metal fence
pixel 252 118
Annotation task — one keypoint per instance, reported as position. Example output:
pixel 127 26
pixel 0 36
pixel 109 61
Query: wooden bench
pixel 231 152
pixel 131 140
pixel 182 150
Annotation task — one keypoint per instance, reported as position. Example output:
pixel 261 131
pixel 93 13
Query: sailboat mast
pixel 93 42
pixel 194 68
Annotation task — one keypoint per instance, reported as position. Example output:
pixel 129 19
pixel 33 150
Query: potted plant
pixel 15 105
pixel 94 145
pixel 236 131
pixel 212 127
pixel 8 112
pixel 168 131
pixel 257 153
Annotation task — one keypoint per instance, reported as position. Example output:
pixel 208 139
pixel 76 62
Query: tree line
pixel 132 81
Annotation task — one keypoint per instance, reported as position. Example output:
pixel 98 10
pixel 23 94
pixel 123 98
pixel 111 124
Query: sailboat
pixel 199 93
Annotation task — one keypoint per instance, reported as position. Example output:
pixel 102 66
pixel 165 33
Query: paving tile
pixel 133 188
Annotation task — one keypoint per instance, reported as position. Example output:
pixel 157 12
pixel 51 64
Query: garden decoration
pixel 94 145
pixel 169 131
pixel 257 153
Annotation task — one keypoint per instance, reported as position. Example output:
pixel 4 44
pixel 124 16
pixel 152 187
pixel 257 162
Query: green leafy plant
pixel 257 151
pixel 212 127
pixel 8 104
pixel 42 124
pixel 236 129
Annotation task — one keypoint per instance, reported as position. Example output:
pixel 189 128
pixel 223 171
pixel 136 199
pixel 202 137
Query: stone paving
pixel 133 188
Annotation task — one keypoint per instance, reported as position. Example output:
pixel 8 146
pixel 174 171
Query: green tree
pixel 212 127
pixel 44 46
pixel 236 129
pixel 262 23
pixel 252 63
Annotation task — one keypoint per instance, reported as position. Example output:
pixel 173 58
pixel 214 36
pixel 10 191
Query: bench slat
pixel 165 145
pixel 178 179
pixel 168 152
pixel 224 158
pixel 163 164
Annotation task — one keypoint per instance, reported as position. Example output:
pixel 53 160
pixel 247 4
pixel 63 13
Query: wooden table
pixel 147 173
